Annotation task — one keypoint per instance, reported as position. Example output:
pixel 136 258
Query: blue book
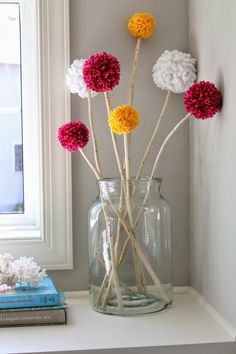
pixel 45 294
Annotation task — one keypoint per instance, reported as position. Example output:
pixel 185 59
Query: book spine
pixel 33 317
pixel 36 300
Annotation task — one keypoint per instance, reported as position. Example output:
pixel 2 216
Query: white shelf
pixel 184 328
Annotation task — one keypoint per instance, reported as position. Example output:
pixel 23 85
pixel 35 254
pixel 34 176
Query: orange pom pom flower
pixel 141 25
pixel 123 119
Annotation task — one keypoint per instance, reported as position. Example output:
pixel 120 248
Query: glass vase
pixel 130 248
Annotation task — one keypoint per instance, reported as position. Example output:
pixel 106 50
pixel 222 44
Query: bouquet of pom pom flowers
pixel 174 71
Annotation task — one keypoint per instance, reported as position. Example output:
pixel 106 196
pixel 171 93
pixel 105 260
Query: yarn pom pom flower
pixel 123 119
pixel 174 71
pixel 141 25
pixel 203 100
pixel 101 72
pixel 75 80
pixel 73 136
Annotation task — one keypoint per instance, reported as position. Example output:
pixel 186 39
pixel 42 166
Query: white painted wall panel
pixel 212 38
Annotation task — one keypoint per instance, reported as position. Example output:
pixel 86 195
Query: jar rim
pixel 141 180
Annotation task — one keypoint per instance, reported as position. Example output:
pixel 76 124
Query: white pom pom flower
pixel 75 81
pixel 174 71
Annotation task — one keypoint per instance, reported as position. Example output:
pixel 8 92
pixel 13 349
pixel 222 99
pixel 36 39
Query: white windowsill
pixel 188 323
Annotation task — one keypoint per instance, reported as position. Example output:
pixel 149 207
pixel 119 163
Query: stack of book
pixel 25 306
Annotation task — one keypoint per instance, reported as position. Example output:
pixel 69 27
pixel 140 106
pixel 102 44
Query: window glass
pixel 11 152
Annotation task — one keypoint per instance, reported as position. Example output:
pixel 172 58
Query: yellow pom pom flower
pixel 141 25
pixel 123 119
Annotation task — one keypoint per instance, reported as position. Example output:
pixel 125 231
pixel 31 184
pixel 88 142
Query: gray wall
pixel 213 168
pixel 102 25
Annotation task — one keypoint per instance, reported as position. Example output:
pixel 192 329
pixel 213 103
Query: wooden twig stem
pixel 114 270
pixel 133 72
pixel 116 250
pixel 101 290
pixel 137 265
pixel 127 148
pixel 145 156
pixel 127 177
pixel 178 125
pixel 123 251
pixel 118 232
pixel 113 137
pixel 127 157
pixel 107 293
pixel 93 135
pixel 141 255
pixel 181 122
pixel 95 171
pixel 132 81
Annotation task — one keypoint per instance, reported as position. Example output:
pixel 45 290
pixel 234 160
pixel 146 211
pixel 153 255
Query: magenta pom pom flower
pixel 203 100
pixel 73 136
pixel 101 72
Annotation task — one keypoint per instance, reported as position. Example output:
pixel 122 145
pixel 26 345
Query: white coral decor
pixel 21 270
pixel 174 71
pixel 75 81
pixel 28 271
pixel 7 271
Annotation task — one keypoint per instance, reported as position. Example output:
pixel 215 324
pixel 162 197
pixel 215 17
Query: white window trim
pixel 52 246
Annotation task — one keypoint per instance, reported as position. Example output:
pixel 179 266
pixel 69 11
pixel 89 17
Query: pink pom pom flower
pixel 73 136
pixel 101 72
pixel 203 100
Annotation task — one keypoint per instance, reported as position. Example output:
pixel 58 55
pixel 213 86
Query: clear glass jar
pixel 130 248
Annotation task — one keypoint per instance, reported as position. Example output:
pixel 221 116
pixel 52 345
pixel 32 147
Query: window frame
pixel 49 237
